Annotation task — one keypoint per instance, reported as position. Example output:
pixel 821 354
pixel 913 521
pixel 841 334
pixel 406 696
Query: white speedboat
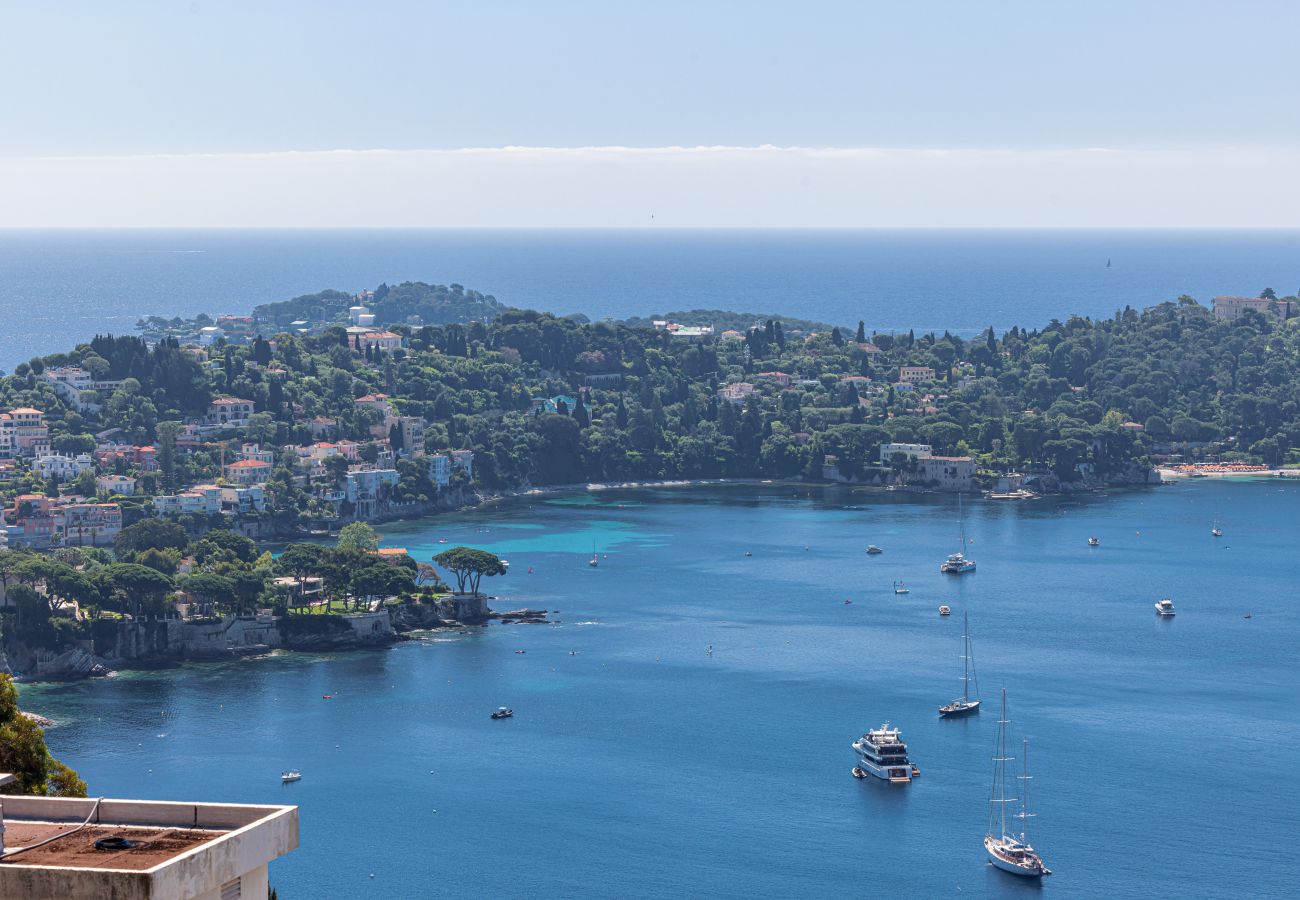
pixel 1165 607
pixel 1094 542
pixel 900 588
pixel 945 610
pixel 503 712
pixel 882 753
pixel 290 775
pixel 873 550
pixel 1011 852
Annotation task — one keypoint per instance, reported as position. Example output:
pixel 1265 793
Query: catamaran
pixel 1011 852
pixel 957 563
pixel 965 704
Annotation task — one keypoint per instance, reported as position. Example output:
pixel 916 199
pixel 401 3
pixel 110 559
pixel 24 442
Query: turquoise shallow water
pixel 642 767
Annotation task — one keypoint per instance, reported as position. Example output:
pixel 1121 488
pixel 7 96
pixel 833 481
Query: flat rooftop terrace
pixel 195 850
pixel 148 846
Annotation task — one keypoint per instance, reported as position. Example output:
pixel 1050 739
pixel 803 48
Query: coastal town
pixel 81 489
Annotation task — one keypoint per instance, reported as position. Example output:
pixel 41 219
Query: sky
pixel 653 114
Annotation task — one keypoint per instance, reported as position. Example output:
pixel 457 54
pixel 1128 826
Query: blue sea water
pixel 643 767
pixel 61 287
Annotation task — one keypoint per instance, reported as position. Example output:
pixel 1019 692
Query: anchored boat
pixel 957 563
pixel 882 753
pixel 964 705
pixel 1011 852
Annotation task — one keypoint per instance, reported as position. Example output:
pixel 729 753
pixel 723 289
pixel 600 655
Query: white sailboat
pixel 595 560
pixel 964 705
pixel 1011 852
pixel 1214 526
pixel 957 563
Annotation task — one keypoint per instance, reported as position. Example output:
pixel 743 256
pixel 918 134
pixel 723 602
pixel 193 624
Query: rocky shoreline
pixel 165 643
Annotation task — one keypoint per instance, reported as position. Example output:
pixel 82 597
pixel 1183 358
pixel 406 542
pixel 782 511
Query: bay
pixel 58 288
pixel 644 767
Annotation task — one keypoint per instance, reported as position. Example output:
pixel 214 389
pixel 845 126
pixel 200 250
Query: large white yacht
pixel 882 753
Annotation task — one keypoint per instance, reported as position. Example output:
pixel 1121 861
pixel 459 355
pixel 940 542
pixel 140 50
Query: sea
pixel 58 288
pixel 683 725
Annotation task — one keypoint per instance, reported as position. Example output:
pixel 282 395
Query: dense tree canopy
pixel 469 566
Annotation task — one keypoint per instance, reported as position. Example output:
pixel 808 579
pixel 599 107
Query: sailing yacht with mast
pixel 595 560
pixel 957 563
pixel 964 705
pixel 1011 852
pixel 1214 526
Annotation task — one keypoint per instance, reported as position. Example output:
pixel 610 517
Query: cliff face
pixel 1132 476
pixel 467 609
pixel 118 644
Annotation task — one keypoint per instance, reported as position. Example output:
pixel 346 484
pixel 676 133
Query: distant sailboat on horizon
pixel 1108 262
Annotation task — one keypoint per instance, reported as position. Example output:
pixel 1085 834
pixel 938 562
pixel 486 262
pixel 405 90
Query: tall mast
pixel 1025 814
pixel 998 802
pixel 965 656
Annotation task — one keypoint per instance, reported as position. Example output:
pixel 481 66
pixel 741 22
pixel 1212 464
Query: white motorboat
pixel 290 775
pixel 1165 607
